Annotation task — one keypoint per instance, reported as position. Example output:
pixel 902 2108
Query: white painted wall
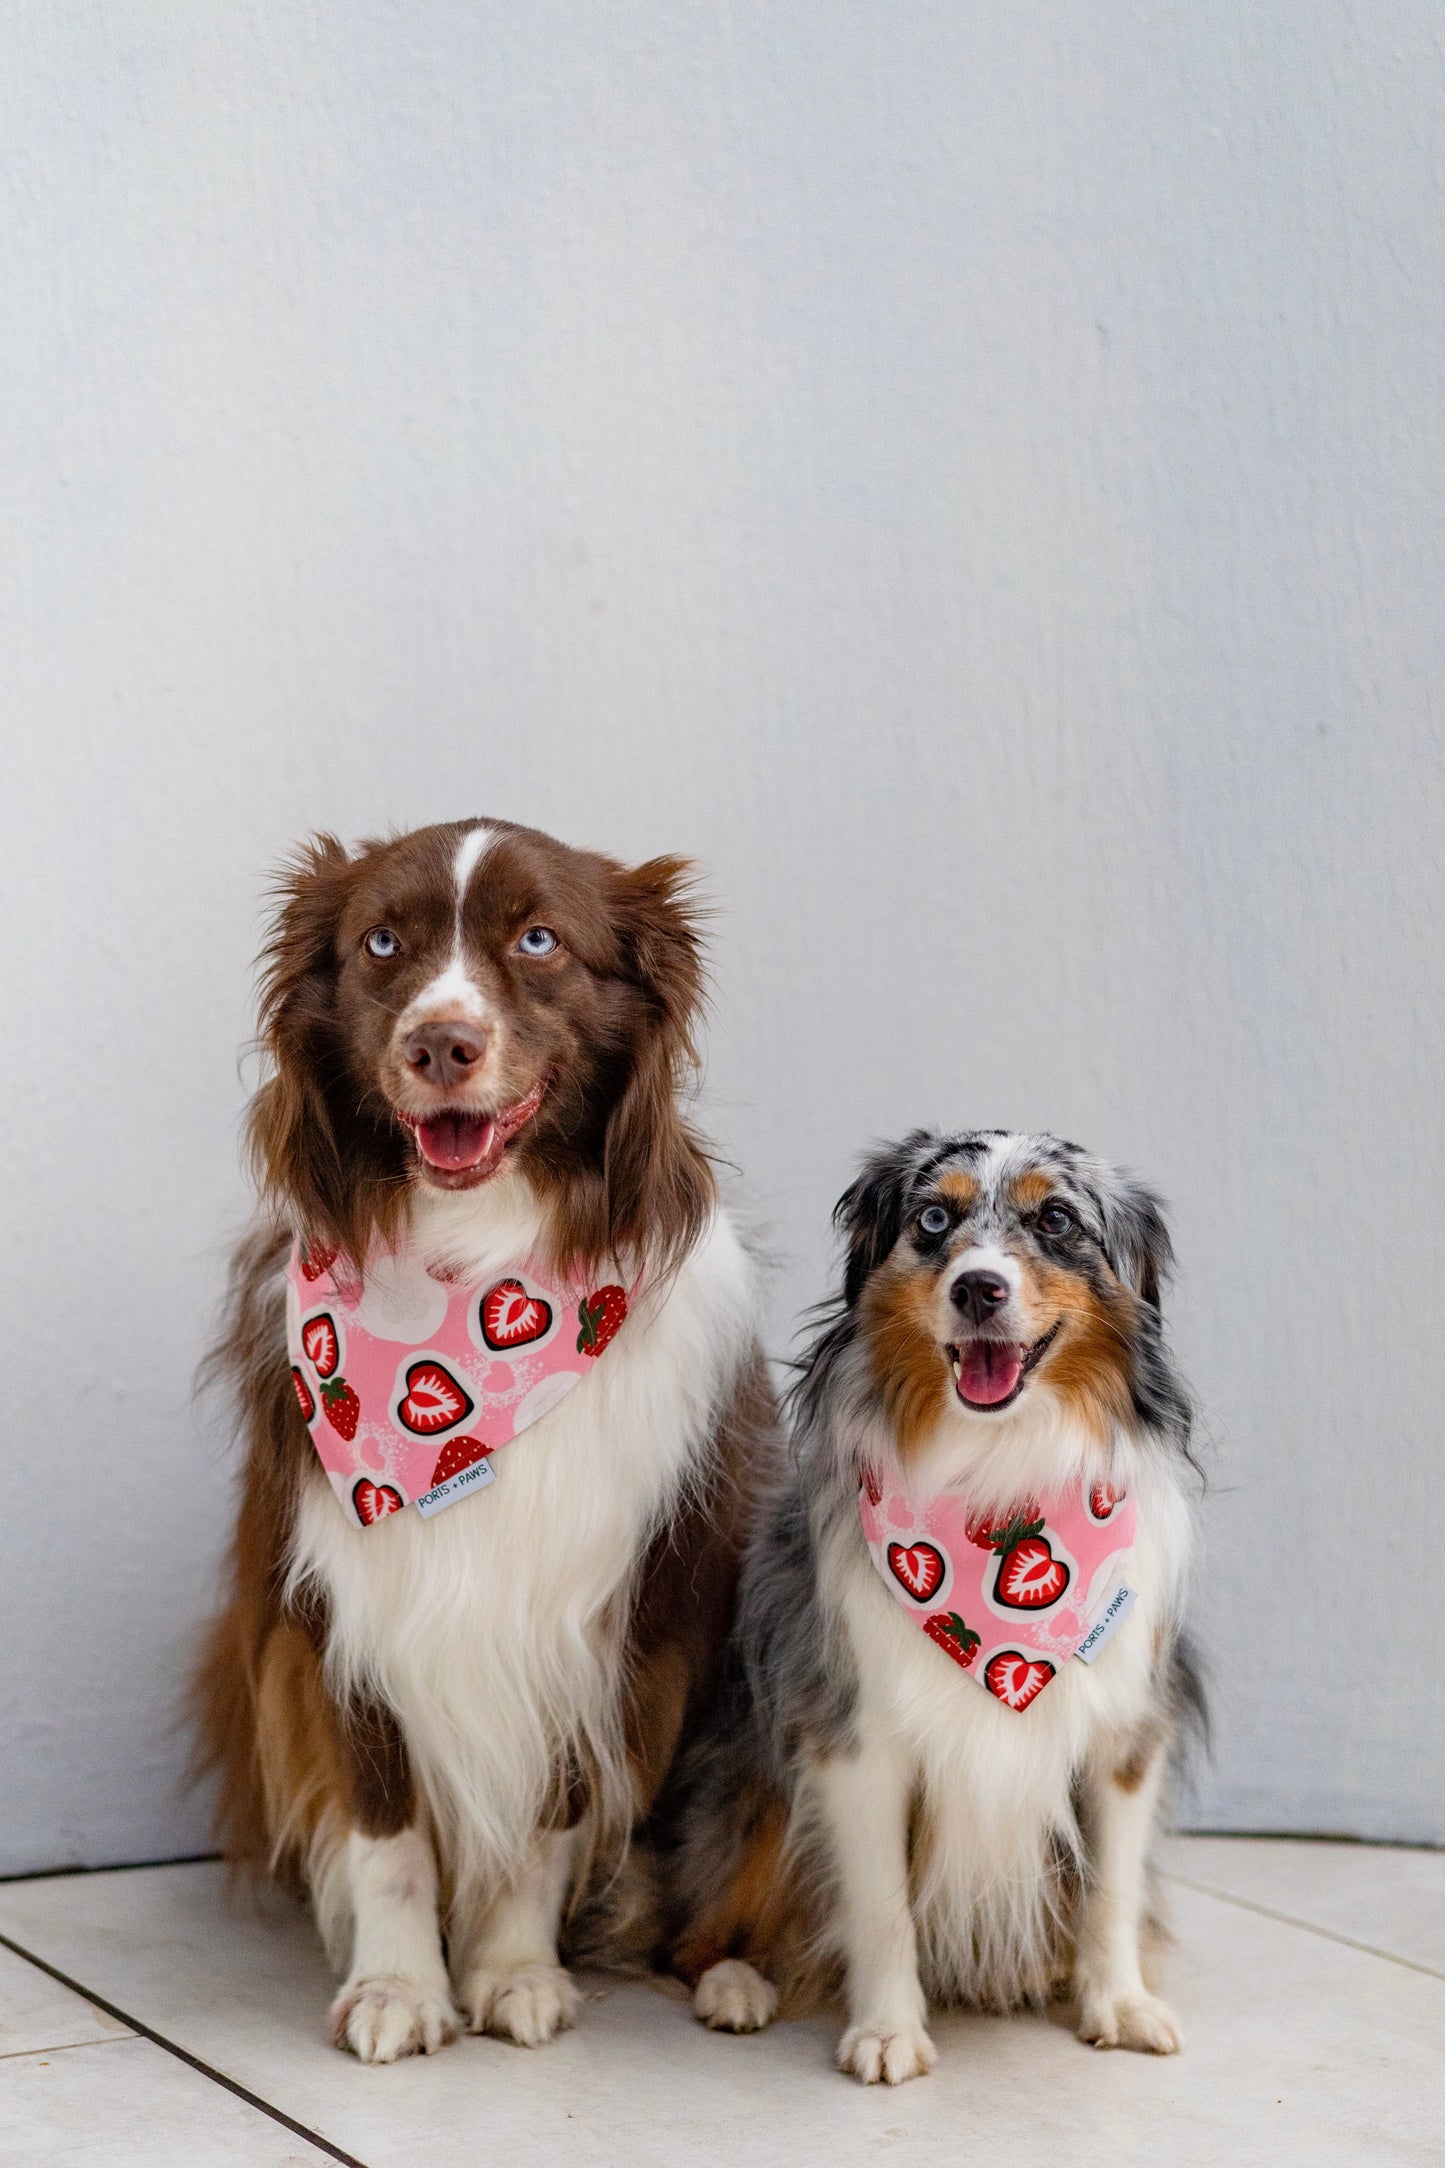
pixel 972 475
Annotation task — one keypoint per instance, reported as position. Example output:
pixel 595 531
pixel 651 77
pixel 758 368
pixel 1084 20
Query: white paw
pixel 526 2003
pixel 387 2016
pixel 1131 2020
pixel 881 2052
pixel 733 1997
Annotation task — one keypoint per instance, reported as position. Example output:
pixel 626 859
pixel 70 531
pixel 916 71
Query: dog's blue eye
pixel 538 941
pixel 933 1220
pixel 382 943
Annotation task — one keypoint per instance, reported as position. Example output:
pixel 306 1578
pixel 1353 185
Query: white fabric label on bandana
pixel 1120 1604
pixel 446 1494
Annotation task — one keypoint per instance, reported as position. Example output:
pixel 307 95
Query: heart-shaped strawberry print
pixel 1105 1500
pixel 1030 1578
pixel 303 1394
pixel 315 1261
pixel 917 1567
pixel 373 1501
pixel 1016 1680
pixel 456 1454
pixel 434 1401
pixel 318 1337
pixel 512 1318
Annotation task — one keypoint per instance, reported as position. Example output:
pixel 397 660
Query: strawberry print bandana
pixel 409 1381
pixel 1009 1596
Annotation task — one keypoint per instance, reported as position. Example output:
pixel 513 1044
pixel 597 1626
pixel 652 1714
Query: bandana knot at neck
pixel 410 1378
pixel 1010 1596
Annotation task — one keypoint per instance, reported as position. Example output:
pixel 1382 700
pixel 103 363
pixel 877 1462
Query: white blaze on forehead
pixel 454 992
pixel 470 851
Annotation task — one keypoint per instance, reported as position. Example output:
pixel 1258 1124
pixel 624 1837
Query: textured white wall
pixel 970 475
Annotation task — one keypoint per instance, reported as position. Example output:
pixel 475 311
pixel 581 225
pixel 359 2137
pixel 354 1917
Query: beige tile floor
pixel 1310 1978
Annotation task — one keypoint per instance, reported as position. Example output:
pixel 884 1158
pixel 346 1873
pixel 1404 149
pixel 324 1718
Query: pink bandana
pixel 1009 1596
pixel 409 1381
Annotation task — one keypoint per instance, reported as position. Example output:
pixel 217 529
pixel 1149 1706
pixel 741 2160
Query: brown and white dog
pixel 864 1813
pixel 446 1728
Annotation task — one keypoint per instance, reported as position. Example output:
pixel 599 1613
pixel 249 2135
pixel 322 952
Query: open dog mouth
pixel 991 1373
pixel 459 1148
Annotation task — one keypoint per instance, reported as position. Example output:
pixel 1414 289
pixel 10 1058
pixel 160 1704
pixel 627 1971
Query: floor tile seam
pixel 66 2047
pixel 140 2028
pixel 1308 1927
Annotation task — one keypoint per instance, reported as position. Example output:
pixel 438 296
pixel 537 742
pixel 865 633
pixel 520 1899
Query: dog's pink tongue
pixel 988 1371
pixel 455 1142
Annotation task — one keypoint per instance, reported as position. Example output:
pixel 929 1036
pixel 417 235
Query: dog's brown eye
pixel 538 941
pixel 1056 1220
pixel 382 943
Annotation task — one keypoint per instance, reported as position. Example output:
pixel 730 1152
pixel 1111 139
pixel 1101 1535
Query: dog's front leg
pixel 396 1997
pixel 510 1980
pixel 863 1803
pixel 1116 2009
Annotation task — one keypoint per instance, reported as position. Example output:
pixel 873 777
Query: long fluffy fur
pixel 822 1657
pixel 437 1702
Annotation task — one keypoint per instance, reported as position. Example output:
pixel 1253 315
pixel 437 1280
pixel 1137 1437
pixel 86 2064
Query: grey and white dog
pixel 863 1812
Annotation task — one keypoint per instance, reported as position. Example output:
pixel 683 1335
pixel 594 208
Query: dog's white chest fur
pixel 493 1631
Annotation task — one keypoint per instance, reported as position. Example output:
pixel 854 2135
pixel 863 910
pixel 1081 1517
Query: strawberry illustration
pixel 872 1485
pixel 303 1394
pixel 1104 1498
pixel 984 1528
pixel 1016 1680
pixel 433 1401
pixel 316 1261
pixel 917 1567
pixel 456 1454
pixel 318 1337
pixel 599 1316
pixel 947 1629
pixel 513 1318
pixel 343 1409
pixel 373 1501
pixel 1029 1577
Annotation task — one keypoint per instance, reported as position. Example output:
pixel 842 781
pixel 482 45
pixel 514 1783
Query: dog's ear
pixel 1136 1239
pixel 291 1127
pixel 870 1213
pixel 660 1188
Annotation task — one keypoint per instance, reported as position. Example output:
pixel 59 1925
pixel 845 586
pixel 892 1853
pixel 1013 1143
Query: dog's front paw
pixel 885 2052
pixel 1133 2020
pixel 734 1997
pixel 526 2003
pixel 387 2016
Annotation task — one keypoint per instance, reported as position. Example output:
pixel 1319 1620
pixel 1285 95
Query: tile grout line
pixel 183 2055
pixel 1288 1919
pixel 64 2047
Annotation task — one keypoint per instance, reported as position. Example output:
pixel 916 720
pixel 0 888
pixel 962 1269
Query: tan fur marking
pixel 1088 1366
pixel 909 1365
pixel 1027 1191
pixel 1139 1759
pixel 761 1915
pixel 302 1781
pixel 960 1188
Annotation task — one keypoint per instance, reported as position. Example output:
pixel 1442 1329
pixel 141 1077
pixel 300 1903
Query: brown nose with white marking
pixel 444 1052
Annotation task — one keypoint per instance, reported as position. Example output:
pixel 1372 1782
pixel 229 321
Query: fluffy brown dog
pixel 448 1728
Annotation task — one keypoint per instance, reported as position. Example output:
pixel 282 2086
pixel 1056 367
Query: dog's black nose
pixel 445 1052
pixel 979 1294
